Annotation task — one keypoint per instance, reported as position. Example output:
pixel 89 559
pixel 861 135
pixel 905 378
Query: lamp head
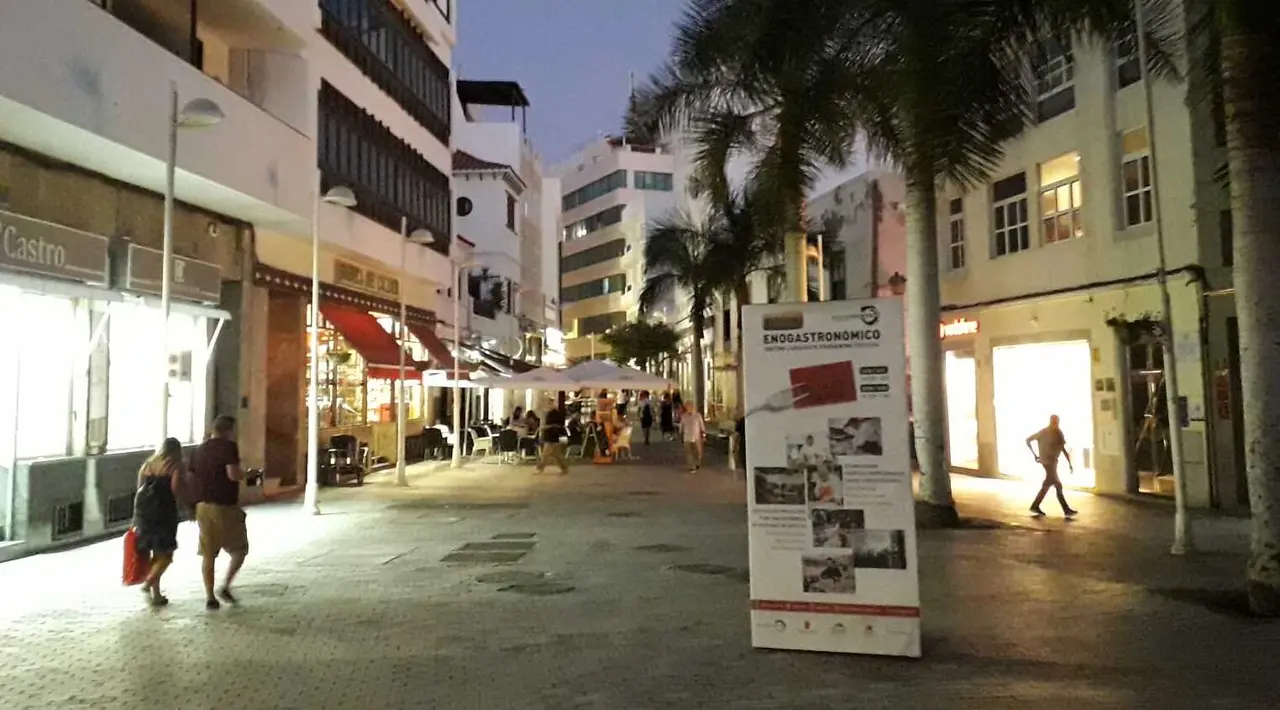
pixel 200 113
pixel 422 236
pixel 340 196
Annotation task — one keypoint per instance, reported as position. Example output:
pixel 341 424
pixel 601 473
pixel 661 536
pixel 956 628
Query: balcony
pixel 98 97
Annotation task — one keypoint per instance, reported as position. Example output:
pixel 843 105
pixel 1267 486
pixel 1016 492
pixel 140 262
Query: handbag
pixel 136 566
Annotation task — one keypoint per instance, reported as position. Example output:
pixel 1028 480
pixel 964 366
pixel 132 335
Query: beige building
pixel 611 192
pixel 1050 294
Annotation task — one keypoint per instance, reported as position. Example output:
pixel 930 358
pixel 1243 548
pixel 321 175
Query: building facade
pixel 84 142
pixel 1051 302
pixel 380 118
pixel 611 193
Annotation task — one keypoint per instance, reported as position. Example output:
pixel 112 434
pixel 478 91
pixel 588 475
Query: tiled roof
pixel 464 161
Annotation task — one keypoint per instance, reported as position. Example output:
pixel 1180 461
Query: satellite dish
pixel 465 205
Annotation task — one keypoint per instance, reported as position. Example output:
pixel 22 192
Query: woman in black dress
pixel 666 417
pixel 155 514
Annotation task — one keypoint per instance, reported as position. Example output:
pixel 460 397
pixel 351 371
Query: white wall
pixel 94 92
pixel 486 226
pixel 1107 250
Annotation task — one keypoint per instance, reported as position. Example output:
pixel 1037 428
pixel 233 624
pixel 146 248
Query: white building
pixel 85 110
pixel 612 192
pixel 1048 288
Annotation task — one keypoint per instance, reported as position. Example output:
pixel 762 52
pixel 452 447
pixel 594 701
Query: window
pixel 45 337
pixel 133 417
pixel 616 283
pixel 1128 71
pixel 615 180
pixel 955 243
pixel 595 325
pixel 1055 74
pixel 1009 215
pixel 378 37
pixel 342 386
pixel 661 182
pixel 390 178
pixel 595 222
pixel 1136 183
pixel 511 212
pixel 1060 199
pixel 595 255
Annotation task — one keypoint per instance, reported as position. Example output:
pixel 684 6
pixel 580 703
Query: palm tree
pixel 936 86
pixel 1245 32
pixel 680 257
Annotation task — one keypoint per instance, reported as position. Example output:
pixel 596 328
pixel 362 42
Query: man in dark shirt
pixel 552 446
pixel 215 468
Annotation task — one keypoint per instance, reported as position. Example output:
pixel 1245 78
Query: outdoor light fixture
pixel 197 113
pixel 342 197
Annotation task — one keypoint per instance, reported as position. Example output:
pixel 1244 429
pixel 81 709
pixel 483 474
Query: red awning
pixel 379 348
pixel 441 358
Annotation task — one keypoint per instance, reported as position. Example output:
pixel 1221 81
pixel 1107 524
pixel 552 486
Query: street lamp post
pixel 419 236
pixel 197 113
pixel 458 269
pixel 343 197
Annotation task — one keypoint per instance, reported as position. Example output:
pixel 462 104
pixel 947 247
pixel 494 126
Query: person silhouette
pixel 1050 444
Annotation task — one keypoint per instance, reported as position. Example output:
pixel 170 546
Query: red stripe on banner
pixel 907 612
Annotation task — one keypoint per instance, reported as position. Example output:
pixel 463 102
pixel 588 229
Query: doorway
pixel 962 409
pixel 1035 381
pixel 1148 420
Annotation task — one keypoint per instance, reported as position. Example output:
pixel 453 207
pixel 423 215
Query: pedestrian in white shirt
pixel 693 430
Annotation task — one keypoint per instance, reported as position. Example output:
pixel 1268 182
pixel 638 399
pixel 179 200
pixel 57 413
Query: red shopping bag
pixel 136 565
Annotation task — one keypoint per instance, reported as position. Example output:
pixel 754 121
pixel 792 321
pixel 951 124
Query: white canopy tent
pixel 543 378
pixel 602 374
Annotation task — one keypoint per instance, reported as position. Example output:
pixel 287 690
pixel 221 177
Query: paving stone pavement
pixel 610 605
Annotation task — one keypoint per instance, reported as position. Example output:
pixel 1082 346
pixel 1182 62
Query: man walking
pixel 693 430
pixel 1050 443
pixel 215 467
pixel 553 433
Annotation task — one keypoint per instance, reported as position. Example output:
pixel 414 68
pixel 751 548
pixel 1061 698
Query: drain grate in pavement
pixel 644 493
pixel 663 547
pixel 486 557
pixel 512 576
pixel 514 536
pixel 703 568
pixel 539 589
pixel 498 545
pixel 624 514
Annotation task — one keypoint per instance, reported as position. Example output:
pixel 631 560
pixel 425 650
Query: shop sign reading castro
pixel 39 247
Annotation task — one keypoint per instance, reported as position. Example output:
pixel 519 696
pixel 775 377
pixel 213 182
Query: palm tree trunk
pixel 1253 139
pixel 742 294
pixel 699 380
pixel 924 302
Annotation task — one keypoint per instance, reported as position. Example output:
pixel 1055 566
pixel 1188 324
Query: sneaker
pixel 1037 512
pixel 225 595
pixel 1070 513
pixel 212 605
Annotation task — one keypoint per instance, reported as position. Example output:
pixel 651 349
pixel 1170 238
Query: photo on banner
pixel 831 514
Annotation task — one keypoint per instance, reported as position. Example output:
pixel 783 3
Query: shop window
pixel 955 245
pixel 134 358
pixel 1136 179
pixel 1060 198
pixel 1009 215
pixel 341 390
pixel 46 340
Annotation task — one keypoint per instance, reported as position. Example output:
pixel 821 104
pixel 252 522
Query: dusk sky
pixel 571 56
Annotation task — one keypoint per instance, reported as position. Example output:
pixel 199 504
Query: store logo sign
pixel 50 249
pixel 192 279
pixel 958 328
pixel 360 278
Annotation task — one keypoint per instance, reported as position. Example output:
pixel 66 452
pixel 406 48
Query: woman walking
pixel 646 415
pixel 155 514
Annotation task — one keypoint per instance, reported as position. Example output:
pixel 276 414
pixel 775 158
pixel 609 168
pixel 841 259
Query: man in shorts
pixel 215 468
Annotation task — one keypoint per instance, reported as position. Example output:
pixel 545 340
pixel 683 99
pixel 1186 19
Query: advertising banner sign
pixel 831 511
